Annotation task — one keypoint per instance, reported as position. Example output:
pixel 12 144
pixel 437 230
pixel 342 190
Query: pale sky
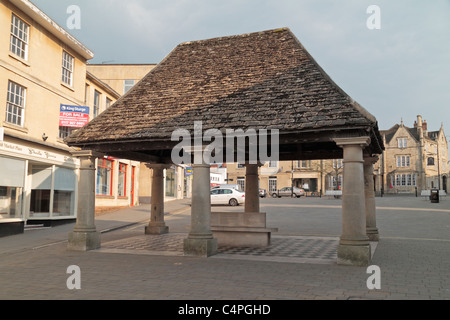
pixel 396 72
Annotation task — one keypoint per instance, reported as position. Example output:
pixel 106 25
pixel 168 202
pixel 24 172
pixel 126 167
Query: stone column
pixel 157 224
pixel 371 221
pixel 354 246
pixel 251 188
pixel 200 241
pixel 85 236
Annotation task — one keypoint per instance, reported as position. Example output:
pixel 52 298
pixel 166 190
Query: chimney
pixel 419 126
pixel 424 125
pixel 415 124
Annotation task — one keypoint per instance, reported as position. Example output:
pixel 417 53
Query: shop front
pixel 38 185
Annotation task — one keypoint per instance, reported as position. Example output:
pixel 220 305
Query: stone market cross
pixel 265 80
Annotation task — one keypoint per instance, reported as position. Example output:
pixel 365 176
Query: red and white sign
pixel 73 116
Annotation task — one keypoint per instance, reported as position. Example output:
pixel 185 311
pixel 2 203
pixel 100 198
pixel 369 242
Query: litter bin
pixel 434 196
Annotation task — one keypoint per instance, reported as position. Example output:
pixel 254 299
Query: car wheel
pixel 233 202
pixel 274 195
pixel 293 195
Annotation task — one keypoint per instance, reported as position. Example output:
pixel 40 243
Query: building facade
pixel 414 159
pixel 315 176
pixel 44 82
pixel 42 68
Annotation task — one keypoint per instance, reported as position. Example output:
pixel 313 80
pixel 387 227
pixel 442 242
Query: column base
pixel 156 229
pixel 372 234
pixel 354 255
pixel 202 247
pixel 84 241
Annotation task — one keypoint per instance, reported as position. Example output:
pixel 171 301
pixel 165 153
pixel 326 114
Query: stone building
pixel 266 81
pixel 315 176
pixel 46 93
pixel 414 158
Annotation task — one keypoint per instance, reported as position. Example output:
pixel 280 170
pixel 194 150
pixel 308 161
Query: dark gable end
pixel 263 80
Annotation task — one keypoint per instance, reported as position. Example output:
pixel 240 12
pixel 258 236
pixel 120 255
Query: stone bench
pixel 241 229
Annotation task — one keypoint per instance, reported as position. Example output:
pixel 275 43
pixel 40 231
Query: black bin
pixel 434 196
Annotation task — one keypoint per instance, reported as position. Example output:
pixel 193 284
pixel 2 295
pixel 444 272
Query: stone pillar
pixel 85 236
pixel 251 188
pixel 371 221
pixel 157 224
pixel 200 241
pixel 354 246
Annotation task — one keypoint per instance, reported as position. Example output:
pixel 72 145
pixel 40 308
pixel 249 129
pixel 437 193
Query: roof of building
pixel 50 25
pixel 103 85
pixel 263 80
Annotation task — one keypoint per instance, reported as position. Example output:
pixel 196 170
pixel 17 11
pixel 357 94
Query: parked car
pixel 262 193
pixel 287 192
pixel 228 196
pixel 228 186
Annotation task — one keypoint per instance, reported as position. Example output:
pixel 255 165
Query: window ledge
pixel 23 61
pixel 14 127
pixel 104 197
pixel 65 85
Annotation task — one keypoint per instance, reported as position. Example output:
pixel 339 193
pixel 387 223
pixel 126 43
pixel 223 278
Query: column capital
pixel 86 154
pixel 258 163
pixel 368 160
pixel 361 141
pixel 158 165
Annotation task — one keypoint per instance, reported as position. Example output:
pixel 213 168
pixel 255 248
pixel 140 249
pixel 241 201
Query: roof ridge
pixel 243 35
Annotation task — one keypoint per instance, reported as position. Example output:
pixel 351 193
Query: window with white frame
pixel 15 104
pixel 241 183
pixel 402 143
pixel 108 103
pixel 405 180
pixel 96 103
pixel 127 85
pixel 273 184
pixel 303 164
pixel 67 69
pixel 273 164
pixel 19 37
pixel 403 161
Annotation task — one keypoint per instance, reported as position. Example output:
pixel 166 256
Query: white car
pixel 228 196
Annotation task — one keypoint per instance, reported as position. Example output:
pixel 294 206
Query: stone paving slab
pixel 295 249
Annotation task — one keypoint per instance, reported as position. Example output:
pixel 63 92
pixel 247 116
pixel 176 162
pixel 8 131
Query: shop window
pixel 104 177
pixel 40 203
pixel 64 192
pixel 122 180
pixel 170 182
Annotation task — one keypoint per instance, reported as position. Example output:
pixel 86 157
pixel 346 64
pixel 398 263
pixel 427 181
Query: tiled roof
pixel 264 80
